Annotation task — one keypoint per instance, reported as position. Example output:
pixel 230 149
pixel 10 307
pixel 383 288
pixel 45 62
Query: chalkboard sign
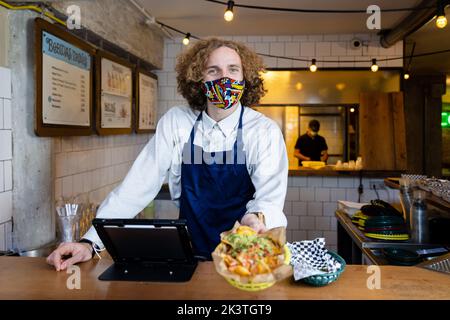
pixel 64 82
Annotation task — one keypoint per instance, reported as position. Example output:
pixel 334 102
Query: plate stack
pixel 379 220
pixel 401 257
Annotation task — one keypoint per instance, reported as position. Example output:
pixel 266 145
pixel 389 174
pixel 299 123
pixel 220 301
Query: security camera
pixel 356 43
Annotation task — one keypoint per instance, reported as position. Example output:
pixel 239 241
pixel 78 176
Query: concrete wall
pixel 4 37
pixel 33 221
pixel 40 164
pixel 122 24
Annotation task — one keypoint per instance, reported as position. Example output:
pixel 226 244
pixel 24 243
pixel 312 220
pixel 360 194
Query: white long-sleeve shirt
pixel 265 152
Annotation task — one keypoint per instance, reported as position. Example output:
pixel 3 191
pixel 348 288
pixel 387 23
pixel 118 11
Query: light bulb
pixel 186 39
pixel 352 110
pixel 406 76
pixel 374 66
pixel 441 21
pixel 229 15
pixel 313 67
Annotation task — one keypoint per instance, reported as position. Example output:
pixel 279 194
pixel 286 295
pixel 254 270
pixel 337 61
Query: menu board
pixel 65 83
pixel 147 87
pixel 64 79
pixel 115 95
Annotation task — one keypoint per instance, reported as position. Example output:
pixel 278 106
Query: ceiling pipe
pixel 149 19
pixel 411 23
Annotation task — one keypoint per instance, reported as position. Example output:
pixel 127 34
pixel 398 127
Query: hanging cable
pixel 408 65
pixel 318 10
pixel 165 26
pixel 35 9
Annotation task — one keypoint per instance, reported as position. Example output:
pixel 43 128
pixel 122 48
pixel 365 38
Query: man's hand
pixel 253 222
pixel 80 252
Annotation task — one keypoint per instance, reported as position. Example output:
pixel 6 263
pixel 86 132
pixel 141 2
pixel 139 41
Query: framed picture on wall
pixel 114 94
pixel 64 82
pixel 146 101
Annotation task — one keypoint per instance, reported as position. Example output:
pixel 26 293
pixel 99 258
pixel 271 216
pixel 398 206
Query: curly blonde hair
pixel 192 63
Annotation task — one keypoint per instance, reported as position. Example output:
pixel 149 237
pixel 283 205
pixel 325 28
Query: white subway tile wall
pixel 314 214
pixel 311 201
pixel 321 47
pixel 91 167
pixel 6 154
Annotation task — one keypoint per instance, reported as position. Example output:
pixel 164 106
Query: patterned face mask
pixel 224 93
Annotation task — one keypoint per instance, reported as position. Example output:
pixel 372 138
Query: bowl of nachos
pixel 251 261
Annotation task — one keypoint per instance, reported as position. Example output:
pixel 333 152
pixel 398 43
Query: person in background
pixel 225 161
pixel 311 146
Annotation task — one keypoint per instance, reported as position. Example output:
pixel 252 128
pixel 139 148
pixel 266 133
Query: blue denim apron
pixel 215 192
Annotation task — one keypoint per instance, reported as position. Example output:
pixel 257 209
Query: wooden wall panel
pixel 382 131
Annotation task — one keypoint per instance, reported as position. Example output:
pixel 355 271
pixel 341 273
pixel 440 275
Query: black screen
pixel 146 243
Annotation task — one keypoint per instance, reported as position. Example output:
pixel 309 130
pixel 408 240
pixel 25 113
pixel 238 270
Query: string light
pixel 186 39
pixel 229 15
pixel 374 66
pixel 406 75
pixel 313 66
pixel 441 20
pixel 418 8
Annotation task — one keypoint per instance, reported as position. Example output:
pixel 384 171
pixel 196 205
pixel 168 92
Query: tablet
pixel 147 249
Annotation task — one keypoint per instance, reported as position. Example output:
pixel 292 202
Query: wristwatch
pixel 90 243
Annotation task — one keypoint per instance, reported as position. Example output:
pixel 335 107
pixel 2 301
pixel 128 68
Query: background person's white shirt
pixel 266 160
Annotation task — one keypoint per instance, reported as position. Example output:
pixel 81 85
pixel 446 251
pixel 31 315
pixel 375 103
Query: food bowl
pixel 321 280
pixel 313 164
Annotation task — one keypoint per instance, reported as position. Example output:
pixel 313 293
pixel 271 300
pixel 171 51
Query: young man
pixel 225 162
pixel 311 146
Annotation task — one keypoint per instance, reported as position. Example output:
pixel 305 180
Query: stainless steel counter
pixel 354 246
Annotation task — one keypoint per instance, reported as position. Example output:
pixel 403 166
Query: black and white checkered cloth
pixel 310 257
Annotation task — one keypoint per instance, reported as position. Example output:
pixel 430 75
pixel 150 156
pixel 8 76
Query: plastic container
pixel 68 228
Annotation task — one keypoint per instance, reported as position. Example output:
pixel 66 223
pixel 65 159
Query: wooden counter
pixel 32 278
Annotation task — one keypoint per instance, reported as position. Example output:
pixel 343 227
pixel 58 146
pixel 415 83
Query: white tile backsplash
pixel 2 179
pixel 7 174
pixel 307 49
pixel 277 48
pixel 5 145
pixel 1 113
pixel 318 203
pixel 7 118
pixel 5 83
pixel 5 206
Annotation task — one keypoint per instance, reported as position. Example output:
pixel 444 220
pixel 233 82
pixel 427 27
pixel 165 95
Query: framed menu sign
pixel 64 80
pixel 114 82
pixel 146 101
